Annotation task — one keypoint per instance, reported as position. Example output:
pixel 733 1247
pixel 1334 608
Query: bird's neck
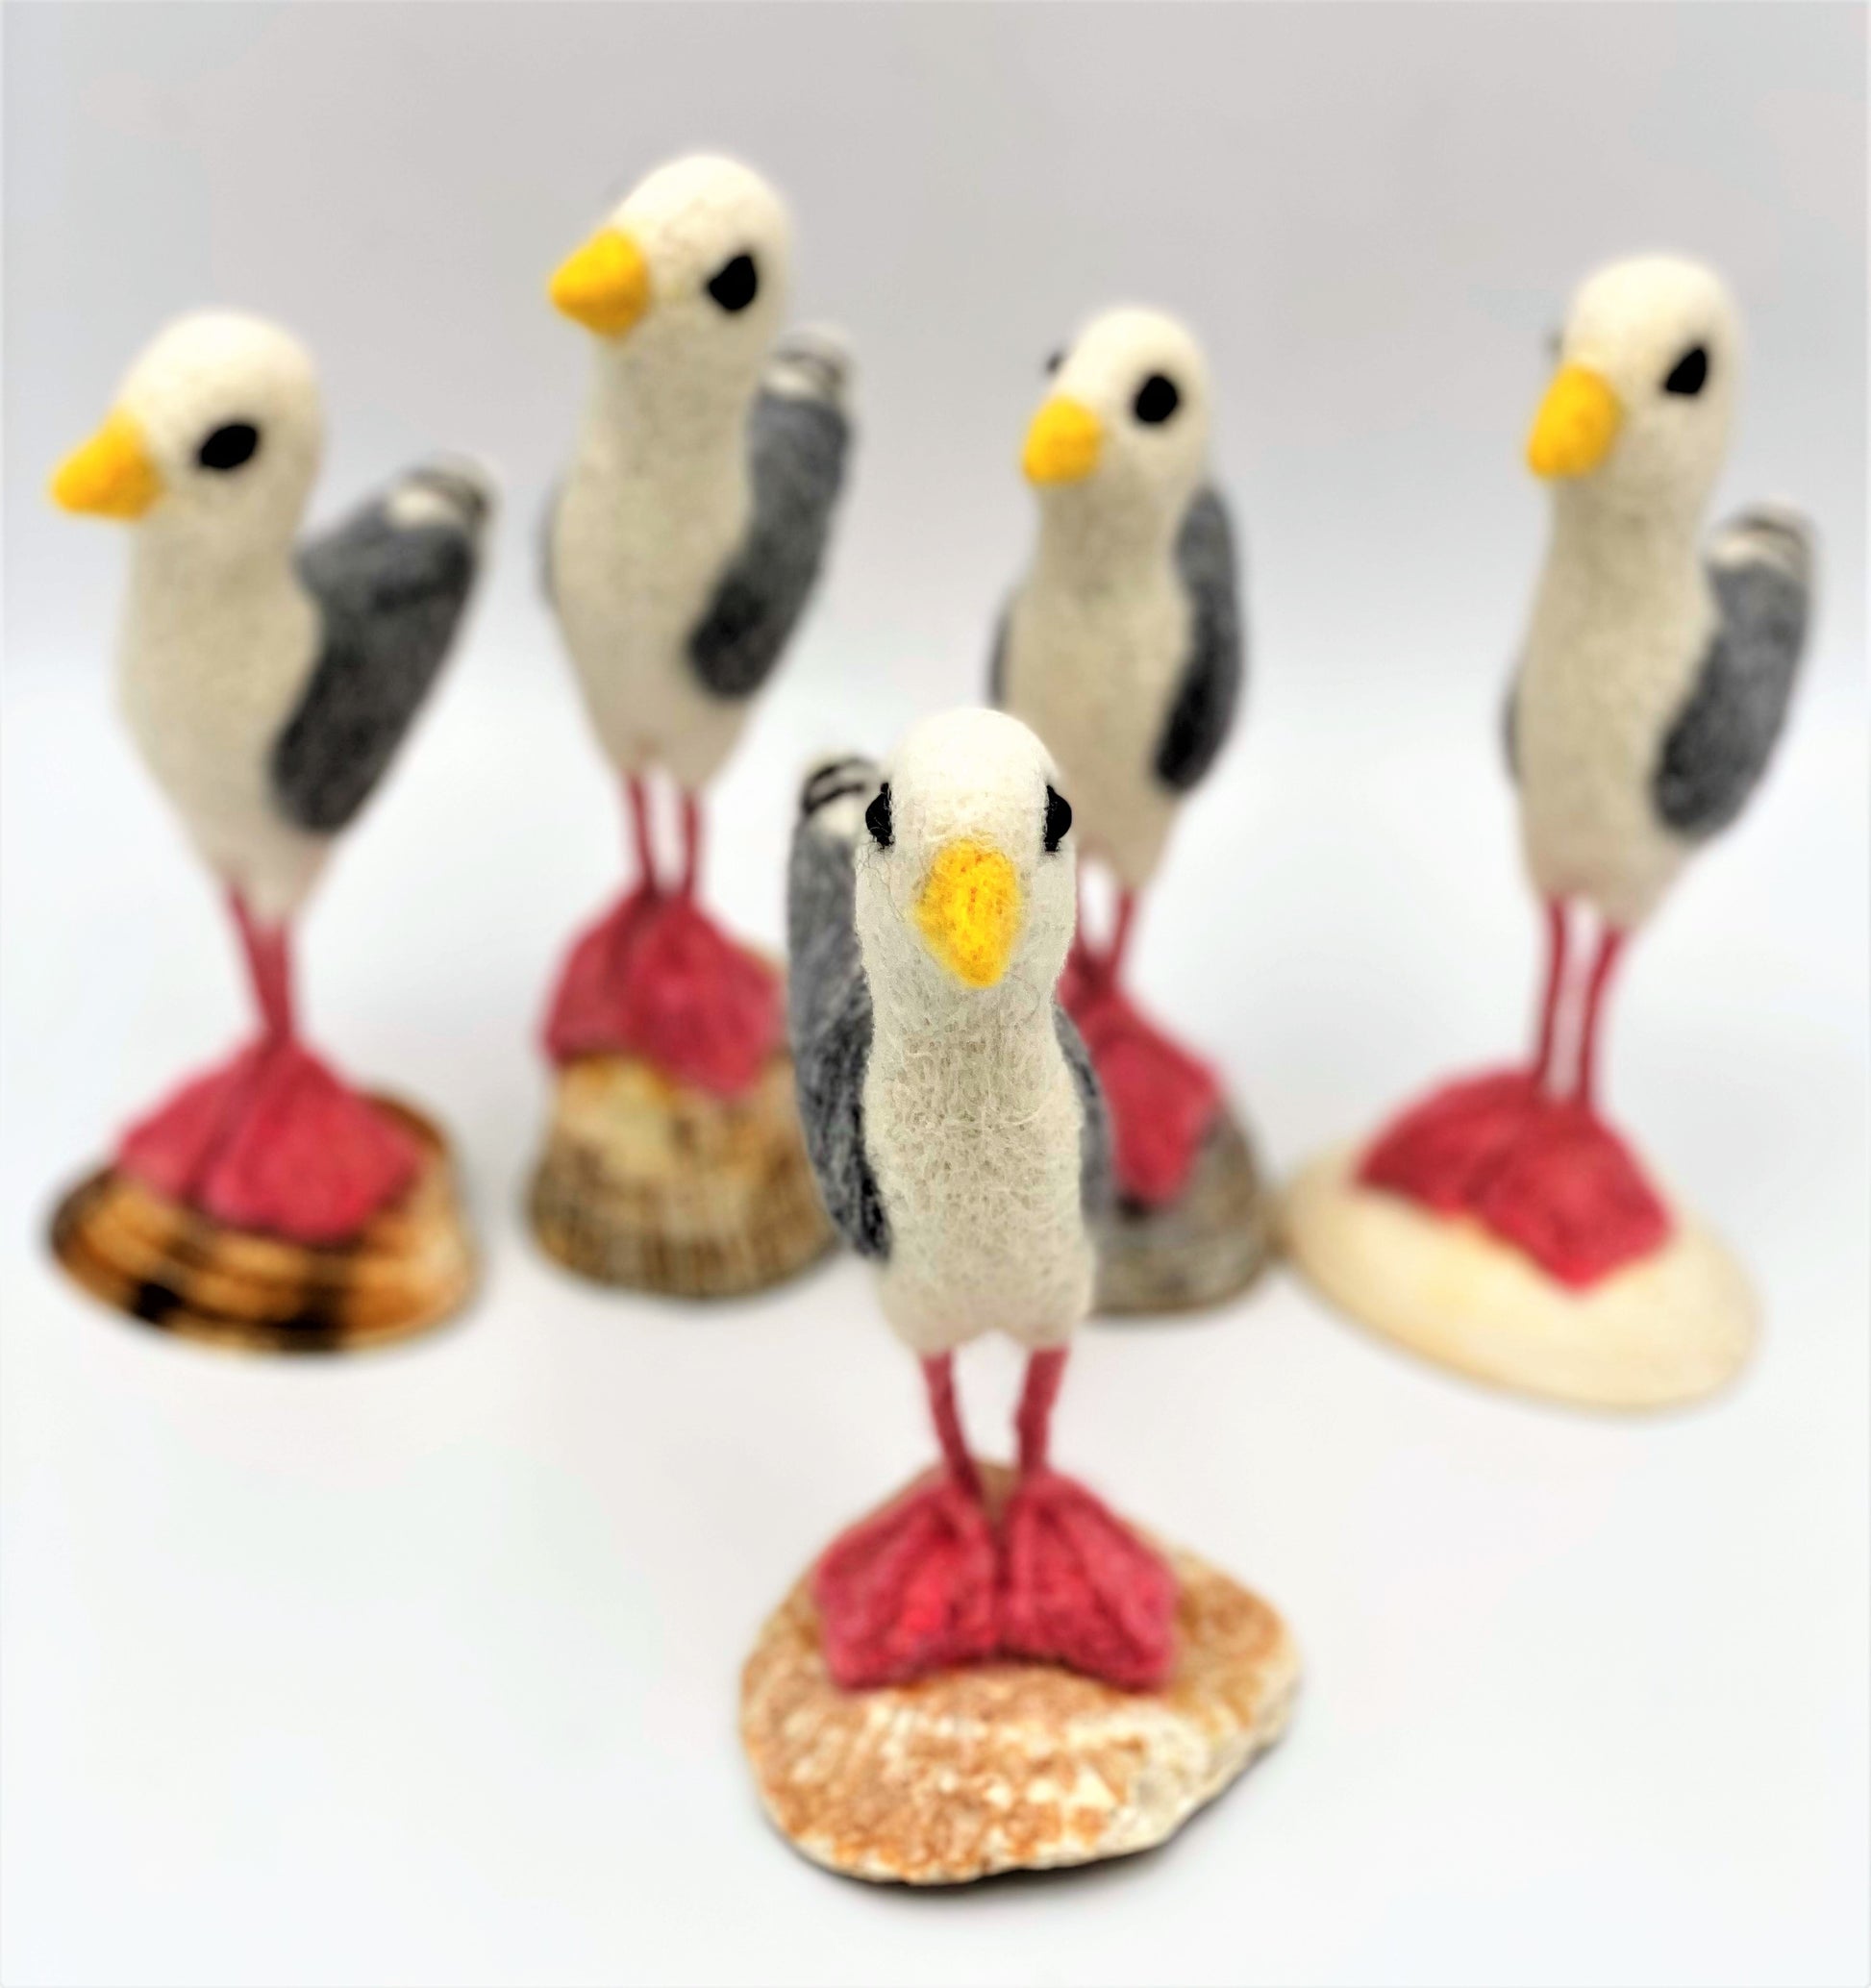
pixel 194 560
pixel 663 419
pixel 1117 543
pixel 1604 544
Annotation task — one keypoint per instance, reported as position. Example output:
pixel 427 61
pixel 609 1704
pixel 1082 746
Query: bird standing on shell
pixel 1122 647
pixel 957 1130
pixel 682 548
pixel 1652 686
pixel 269 686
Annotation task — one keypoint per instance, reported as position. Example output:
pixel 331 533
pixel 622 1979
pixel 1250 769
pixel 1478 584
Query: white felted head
pixel 215 428
pixel 689 272
pixel 965 895
pixel 1636 416
pixel 1124 431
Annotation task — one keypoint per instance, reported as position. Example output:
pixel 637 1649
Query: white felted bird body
pixel 956 1124
pixel 267 684
pixel 1122 645
pixel 1656 674
pixel 689 531
pixel 1652 689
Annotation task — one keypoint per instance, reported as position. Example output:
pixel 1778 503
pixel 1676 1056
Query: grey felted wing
pixel 1094 1131
pixel 391 582
pixel 798 438
pixel 828 999
pixel 1211 683
pixel 1760 567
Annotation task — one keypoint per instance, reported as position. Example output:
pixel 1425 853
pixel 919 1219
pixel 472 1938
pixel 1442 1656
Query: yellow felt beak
pixel 605 284
pixel 1576 423
pixel 110 476
pixel 1063 443
pixel 969 912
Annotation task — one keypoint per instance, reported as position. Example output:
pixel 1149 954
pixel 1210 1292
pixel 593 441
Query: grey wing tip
pixel 812 362
pixel 1772 532
pixel 836 791
pixel 462 487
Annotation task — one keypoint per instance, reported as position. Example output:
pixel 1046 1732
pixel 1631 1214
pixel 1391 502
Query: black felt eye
pixel 1059 818
pixel 227 448
pixel 1689 375
pixel 877 819
pixel 1054 360
pixel 1157 399
pixel 736 283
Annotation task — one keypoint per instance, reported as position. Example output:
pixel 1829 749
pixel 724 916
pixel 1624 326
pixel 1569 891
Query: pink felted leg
pixel 643 842
pixel 1610 946
pixel 657 978
pixel 1078 1587
pixel 911 1590
pixel 692 844
pixel 272 1140
pixel 1549 1005
pixel 1120 937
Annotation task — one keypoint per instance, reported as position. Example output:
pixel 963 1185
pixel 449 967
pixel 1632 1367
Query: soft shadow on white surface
pixel 421 1666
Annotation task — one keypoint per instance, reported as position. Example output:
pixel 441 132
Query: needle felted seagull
pixel 955 1125
pixel 1651 687
pixel 1122 648
pixel 269 684
pixel 682 548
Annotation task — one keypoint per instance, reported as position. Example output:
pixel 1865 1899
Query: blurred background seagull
pixel 956 1127
pixel 268 687
pixel 682 548
pixel 1651 689
pixel 1122 647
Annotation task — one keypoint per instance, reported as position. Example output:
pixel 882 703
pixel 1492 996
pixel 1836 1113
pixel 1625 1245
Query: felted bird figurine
pixel 682 548
pixel 1122 647
pixel 1651 688
pixel 269 684
pixel 957 1131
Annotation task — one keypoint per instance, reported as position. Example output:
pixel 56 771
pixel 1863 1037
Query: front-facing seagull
pixel 269 684
pixel 958 1135
pixel 681 547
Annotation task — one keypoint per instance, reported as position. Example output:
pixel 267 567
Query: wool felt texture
pixel 934 1582
pixel 953 1120
pixel 268 689
pixel 1122 645
pixel 657 978
pixel 268 692
pixel 1652 684
pixel 687 532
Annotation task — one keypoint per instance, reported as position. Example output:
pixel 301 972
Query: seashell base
pixel 652 1186
pixel 1203 1247
pixel 1668 1330
pixel 1010 1766
pixel 182 1272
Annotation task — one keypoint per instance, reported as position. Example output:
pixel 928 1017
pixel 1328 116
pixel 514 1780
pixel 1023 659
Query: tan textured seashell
pixel 1208 1246
pixel 1010 1766
pixel 656 1186
pixel 186 1273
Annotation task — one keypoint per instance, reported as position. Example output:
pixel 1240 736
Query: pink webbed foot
pixel 1080 1588
pixel 657 978
pixel 1162 1100
pixel 911 1590
pixel 274 1141
pixel 1546 1175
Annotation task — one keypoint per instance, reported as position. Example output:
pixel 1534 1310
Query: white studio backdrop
pixel 421 1668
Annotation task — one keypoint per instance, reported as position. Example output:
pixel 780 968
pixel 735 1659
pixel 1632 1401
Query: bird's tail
pixel 460 486
pixel 1773 532
pixel 811 362
pixel 835 795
